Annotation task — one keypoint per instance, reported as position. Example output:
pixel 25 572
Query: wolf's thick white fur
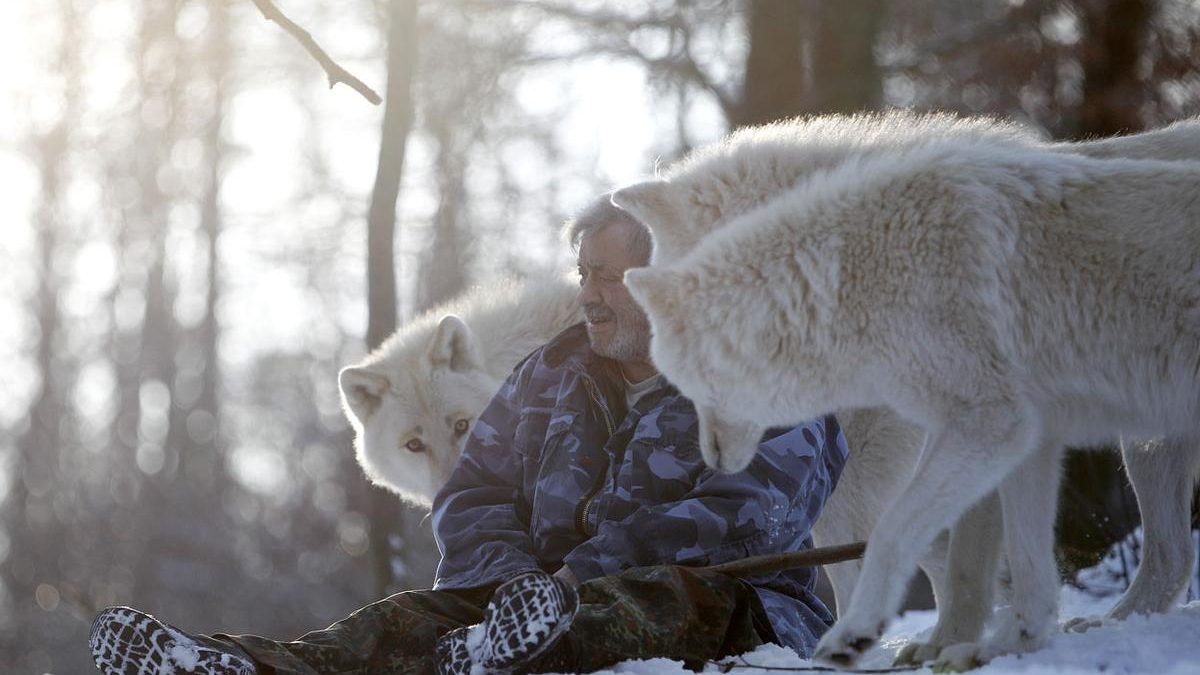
pixel 1002 296
pixel 723 181
pixel 432 378
pixel 718 182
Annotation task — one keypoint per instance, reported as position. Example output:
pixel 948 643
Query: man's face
pixel 616 326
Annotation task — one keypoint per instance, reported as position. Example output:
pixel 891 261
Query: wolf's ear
pixel 362 390
pixel 454 346
pixel 660 292
pixel 654 203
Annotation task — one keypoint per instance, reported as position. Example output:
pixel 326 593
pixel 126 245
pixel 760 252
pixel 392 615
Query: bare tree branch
pixel 766 564
pixel 968 36
pixel 599 19
pixel 611 38
pixel 333 71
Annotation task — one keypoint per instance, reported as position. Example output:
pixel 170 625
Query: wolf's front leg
pixel 956 470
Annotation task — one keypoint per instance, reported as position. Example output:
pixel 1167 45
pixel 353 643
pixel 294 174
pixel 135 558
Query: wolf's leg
pixel 848 516
pixel 965 599
pixel 1030 500
pixel 959 466
pixel 883 452
pixel 1163 474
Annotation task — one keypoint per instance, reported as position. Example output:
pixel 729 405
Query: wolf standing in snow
pixel 718 183
pixel 1008 299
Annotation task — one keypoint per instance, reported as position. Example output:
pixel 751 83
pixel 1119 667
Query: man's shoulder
pixel 568 347
pixel 567 352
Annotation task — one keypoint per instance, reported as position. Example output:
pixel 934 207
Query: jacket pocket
pixel 553 480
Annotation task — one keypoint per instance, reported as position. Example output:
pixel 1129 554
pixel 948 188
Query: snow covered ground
pixel 1159 645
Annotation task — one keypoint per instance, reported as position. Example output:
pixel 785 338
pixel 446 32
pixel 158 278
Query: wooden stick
pixel 333 71
pixel 766 564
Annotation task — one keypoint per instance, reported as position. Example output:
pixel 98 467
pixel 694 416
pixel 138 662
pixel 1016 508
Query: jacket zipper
pixel 590 498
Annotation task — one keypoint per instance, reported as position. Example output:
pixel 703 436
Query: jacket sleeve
pixel 767 508
pixel 480 523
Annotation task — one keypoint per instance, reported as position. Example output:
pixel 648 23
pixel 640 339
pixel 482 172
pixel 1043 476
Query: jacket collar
pixel 572 351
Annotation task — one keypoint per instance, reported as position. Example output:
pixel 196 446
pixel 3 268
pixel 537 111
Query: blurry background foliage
pixel 184 227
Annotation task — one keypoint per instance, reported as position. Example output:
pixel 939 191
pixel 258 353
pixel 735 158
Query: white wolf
pixel 723 181
pixel 983 287
pixel 413 399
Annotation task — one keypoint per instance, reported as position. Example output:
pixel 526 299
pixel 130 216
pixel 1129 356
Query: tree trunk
pixel 809 58
pixel 1115 34
pixel 33 528
pixel 381 229
pixel 1097 508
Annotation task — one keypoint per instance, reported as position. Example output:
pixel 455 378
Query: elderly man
pixel 570 526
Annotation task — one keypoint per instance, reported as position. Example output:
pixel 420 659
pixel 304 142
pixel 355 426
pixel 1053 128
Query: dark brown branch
pixel 766 564
pixel 333 71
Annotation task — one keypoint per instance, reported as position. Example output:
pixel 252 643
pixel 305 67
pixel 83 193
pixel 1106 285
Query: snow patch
pixel 1164 644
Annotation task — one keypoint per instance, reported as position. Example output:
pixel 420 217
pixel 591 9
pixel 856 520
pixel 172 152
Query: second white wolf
pixel 1007 298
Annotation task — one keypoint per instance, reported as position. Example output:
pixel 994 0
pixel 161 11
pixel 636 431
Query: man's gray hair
pixel 600 214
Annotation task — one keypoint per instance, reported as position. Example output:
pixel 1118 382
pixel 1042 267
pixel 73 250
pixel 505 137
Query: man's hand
pixel 567 575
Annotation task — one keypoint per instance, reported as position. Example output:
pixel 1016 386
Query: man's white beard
pixel 627 344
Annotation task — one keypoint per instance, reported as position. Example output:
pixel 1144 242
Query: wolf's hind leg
pixel 964 596
pixel 1164 475
pixel 1030 499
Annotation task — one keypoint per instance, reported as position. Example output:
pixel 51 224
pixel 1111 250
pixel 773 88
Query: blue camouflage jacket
pixel 557 472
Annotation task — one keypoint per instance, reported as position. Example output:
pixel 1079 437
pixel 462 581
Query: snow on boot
pixel 454 658
pixel 524 618
pixel 125 641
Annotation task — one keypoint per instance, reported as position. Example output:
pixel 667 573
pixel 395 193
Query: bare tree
pixel 381 232
pixel 809 58
pixel 30 522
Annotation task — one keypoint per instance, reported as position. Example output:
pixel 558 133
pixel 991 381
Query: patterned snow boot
pixel 524 618
pixel 125 641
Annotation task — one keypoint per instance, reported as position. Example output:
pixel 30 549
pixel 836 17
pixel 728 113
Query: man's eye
pixel 461 426
pixel 414 445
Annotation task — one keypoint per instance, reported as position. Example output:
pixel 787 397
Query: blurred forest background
pixel 187 210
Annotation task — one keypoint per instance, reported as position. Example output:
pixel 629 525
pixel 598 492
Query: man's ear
pixel 656 205
pixel 454 346
pixel 362 389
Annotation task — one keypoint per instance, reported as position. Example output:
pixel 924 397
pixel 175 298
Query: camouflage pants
pixel 669 612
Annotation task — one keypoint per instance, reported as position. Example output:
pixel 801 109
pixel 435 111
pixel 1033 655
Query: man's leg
pixel 395 635
pixel 659 612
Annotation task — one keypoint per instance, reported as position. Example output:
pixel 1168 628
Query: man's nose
pixel 588 293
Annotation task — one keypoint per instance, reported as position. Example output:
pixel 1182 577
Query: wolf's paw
pixel 964 656
pixel 1082 624
pixel 843 645
pixel 916 654
pixel 1017 635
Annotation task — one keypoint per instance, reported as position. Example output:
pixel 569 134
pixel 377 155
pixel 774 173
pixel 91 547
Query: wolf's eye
pixel 414 445
pixel 462 426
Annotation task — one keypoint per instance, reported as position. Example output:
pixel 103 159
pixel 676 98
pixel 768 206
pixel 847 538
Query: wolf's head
pixel 412 410
pixel 741 325
pixel 700 358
